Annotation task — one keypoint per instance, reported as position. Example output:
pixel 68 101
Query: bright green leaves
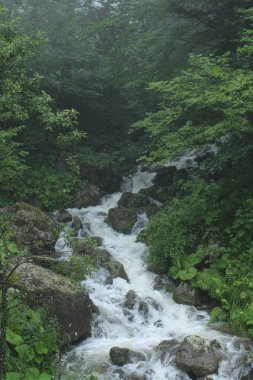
pixel 30 374
pixel 185 270
pixel 13 339
pixel 32 341
pixel 207 101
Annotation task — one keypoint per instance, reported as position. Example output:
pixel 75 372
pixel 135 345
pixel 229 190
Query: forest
pixel 89 90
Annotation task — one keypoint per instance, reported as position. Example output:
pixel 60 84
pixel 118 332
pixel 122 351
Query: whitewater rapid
pixel 142 332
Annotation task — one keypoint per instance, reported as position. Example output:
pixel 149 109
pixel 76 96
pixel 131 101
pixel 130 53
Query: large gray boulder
pixel 69 303
pixel 185 294
pixel 121 356
pixel 34 229
pixel 122 219
pixel 198 357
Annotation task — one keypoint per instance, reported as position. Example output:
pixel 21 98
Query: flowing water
pixel 140 331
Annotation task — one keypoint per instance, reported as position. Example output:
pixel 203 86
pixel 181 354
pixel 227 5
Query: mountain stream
pixel 143 332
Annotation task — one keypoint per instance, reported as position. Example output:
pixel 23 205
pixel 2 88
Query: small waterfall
pixel 139 330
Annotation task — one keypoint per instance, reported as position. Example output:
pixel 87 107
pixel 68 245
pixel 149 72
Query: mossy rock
pixel 69 303
pixel 34 229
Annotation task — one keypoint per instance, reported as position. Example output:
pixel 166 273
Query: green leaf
pixel 12 338
pixel 32 373
pixel 45 376
pixel 13 376
pixel 41 348
pixel 12 248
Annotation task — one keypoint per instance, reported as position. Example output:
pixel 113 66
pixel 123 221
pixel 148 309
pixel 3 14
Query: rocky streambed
pixel 130 326
pixel 142 331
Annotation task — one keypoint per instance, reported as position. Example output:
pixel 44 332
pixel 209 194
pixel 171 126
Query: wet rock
pixel 76 224
pixel 167 348
pixel 159 194
pixel 34 229
pixel 122 219
pixel 88 196
pixel 185 294
pixel 165 176
pixel 102 213
pixel 198 357
pixel 69 303
pixel 130 300
pixel 102 256
pixel 115 269
pixel 143 309
pixel 132 200
pixel 121 356
pixel 63 216
pixel 163 282
pixel 133 300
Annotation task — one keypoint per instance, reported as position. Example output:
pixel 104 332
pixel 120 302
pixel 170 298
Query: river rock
pixel 122 219
pixel 69 303
pixel 88 196
pixel 167 348
pixel 163 282
pixel 135 200
pixel 34 229
pixel 185 294
pixel 198 357
pixel 63 216
pixel 115 269
pixel 102 256
pixel 76 224
pixel 132 300
pixel 121 356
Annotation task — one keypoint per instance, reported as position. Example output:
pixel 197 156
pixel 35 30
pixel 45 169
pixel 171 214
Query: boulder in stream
pixel 122 219
pixel 185 294
pixel 115 269
pixel 63 216
pixel 166 348
pixel 76 224
pixel 198 357
pixel 121 356
pixel 69 303
pixel 133 301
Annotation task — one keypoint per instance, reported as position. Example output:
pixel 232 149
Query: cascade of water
pixel 162 319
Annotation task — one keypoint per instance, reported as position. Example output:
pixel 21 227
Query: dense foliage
pixel 204 232
pixel 180 74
